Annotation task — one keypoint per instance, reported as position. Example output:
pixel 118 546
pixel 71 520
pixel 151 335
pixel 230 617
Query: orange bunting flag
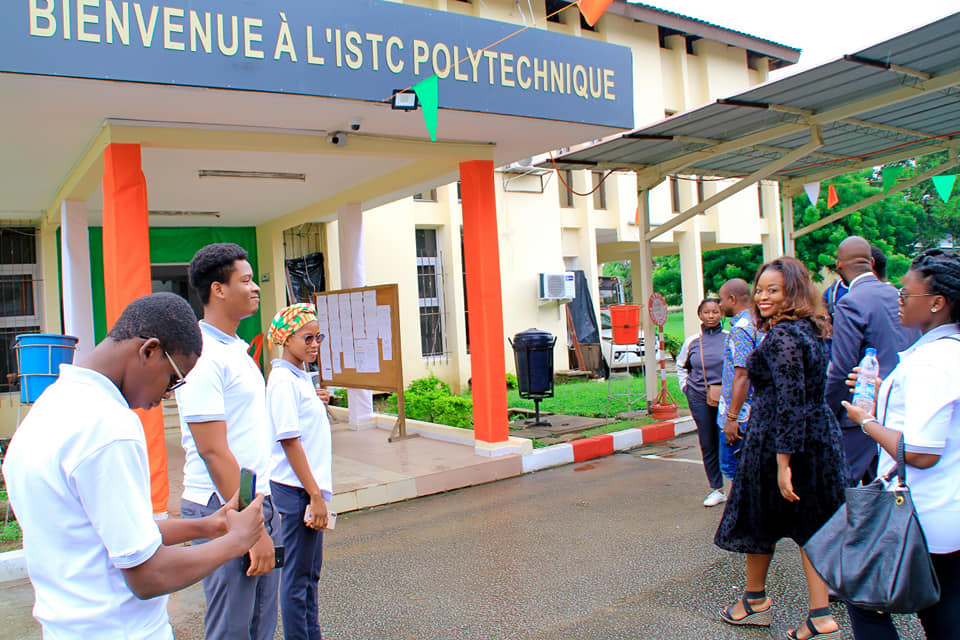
pixel 593 9
pixel 832 197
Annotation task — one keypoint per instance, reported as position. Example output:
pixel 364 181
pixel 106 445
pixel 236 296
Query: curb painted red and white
pixel 604 445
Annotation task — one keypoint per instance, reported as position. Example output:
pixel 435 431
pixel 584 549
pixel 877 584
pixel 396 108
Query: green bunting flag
pixel 890 175
pixel 944 185
pixel 428 91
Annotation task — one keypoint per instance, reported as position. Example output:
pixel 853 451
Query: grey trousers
pixel 238 607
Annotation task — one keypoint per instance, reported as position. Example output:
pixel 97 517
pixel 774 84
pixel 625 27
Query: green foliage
pixel 666 279
pixel 429 399
pixel 672 345
pixel 341 396
pixel 512 382
pixel 11 537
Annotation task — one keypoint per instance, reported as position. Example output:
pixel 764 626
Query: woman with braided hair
pixel 920 400
pixel 302 479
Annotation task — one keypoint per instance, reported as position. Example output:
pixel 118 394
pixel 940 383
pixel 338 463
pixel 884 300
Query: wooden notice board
pixel 362 348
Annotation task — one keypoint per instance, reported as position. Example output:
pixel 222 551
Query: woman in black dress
pixel 790 477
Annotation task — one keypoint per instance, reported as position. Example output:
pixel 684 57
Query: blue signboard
pixel 355 49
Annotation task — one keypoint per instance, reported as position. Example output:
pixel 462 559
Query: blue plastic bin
pixel 39 356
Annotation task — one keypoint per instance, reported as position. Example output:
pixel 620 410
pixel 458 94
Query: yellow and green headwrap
pixel 288 321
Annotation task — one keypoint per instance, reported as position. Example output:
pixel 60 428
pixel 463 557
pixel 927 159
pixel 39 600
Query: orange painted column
pixel 481 254
pixel 126 277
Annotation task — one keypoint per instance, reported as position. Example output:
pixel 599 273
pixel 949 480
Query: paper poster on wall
pixel 346 332
pixel 356 304
pixel 323 319
pixel 326 362
pixel 368 357
pixel 384 330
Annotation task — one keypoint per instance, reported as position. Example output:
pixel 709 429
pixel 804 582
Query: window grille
pixel 430 295
pixel 20 296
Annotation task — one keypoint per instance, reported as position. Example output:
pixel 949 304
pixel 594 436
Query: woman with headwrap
pixel 302 477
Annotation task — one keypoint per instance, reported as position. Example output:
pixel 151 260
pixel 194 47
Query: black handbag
pixel 872 551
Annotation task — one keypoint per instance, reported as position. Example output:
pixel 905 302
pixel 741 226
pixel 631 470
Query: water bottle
pixel 864 392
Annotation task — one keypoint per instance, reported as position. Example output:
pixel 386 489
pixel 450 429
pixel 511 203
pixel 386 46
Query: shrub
pixel 455 411
pixel 512 382
pixel 672 345
pixel 429 399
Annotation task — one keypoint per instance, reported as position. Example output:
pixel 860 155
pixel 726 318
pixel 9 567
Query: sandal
pixel 761 618
pixel 816 634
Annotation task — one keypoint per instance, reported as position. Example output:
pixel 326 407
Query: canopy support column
pixel 645 270
pixel 126 277
pixel 75 274
pixel 481 246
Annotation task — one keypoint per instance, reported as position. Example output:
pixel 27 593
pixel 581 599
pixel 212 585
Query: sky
pixel 824 29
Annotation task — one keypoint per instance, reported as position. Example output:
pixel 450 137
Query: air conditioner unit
pixel 557 286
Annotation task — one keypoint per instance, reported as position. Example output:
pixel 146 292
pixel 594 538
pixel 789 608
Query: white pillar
pixel 644 269
pixel 353 275
pixel 786 208
pixel 75 273
pixel 772 237
pixel 691 276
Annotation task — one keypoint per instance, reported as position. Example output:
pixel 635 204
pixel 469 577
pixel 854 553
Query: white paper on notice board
pixel 368 358
pixel 326 362
pixel 333 304
pixel 346 332
pixel 370 314
pixel 384 330
pixel 356 303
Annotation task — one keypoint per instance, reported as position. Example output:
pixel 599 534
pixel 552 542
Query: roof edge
pixel 781 54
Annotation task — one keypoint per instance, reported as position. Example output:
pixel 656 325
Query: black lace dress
pixel 788 415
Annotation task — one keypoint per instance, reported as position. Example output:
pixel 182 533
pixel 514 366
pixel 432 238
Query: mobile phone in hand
pixel 248 487
pixel 279 554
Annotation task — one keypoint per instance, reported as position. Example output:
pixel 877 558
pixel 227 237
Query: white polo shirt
pixel 77 475
pixel 295 411
pixel 924 404
pixel 226 384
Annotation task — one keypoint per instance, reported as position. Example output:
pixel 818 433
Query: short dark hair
pixel 164 316
pixel 213 263
pixel 707 301
pixel 941 270
pixel 879 262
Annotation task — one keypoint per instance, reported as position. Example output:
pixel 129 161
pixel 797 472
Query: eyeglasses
pixel 179 382
pixel 311 338
pixel 902 297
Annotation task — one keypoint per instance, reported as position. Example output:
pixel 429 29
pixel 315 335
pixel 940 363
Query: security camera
pixel 338 138
pixel 354 125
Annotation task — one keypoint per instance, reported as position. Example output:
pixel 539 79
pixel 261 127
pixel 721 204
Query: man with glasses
pixel 78 479
pixel 224 428
pixel 867 316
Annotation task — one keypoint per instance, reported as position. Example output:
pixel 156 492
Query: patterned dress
pixel 789 415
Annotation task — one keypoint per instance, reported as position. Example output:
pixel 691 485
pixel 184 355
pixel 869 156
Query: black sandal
pixel 816 634
pixel 761 618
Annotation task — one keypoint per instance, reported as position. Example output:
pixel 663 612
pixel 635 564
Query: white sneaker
pixel 717 496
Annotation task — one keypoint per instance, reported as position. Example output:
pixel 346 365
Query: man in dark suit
pixel 867 316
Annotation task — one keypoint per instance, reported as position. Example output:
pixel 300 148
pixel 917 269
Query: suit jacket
pixel 865 317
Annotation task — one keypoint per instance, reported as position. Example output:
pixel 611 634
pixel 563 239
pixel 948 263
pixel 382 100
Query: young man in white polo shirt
pixel 224 428
pixel 78 479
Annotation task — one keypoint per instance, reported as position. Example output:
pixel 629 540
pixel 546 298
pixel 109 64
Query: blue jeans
pixel 729 453
pixel 940 622
pixel 239 607
pixel 301 569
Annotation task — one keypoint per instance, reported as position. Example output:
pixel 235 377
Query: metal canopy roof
pixel 894 100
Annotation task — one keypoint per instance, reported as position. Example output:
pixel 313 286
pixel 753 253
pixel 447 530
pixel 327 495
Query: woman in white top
pixel 920 399
pixel 302 478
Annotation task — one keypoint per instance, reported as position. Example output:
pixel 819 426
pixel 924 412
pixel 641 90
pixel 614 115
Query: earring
pixel 933 309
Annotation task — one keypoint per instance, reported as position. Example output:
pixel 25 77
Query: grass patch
pixel 11 537
pixel 589 397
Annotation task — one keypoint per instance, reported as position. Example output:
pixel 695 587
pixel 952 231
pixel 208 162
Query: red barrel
pixel 625 321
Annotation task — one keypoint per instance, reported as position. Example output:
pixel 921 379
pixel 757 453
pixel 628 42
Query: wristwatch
pixel 865 421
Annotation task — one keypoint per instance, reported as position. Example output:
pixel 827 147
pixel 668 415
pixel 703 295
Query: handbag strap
pixel 706 385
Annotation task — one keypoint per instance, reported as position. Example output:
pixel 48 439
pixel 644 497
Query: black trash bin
pixel 533 355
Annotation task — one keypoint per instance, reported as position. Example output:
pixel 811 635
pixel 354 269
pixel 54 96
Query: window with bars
pixel 600 190
pixel 19 296
pixel 430 294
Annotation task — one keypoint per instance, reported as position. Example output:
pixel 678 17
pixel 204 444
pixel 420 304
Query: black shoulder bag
pixel 872 551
